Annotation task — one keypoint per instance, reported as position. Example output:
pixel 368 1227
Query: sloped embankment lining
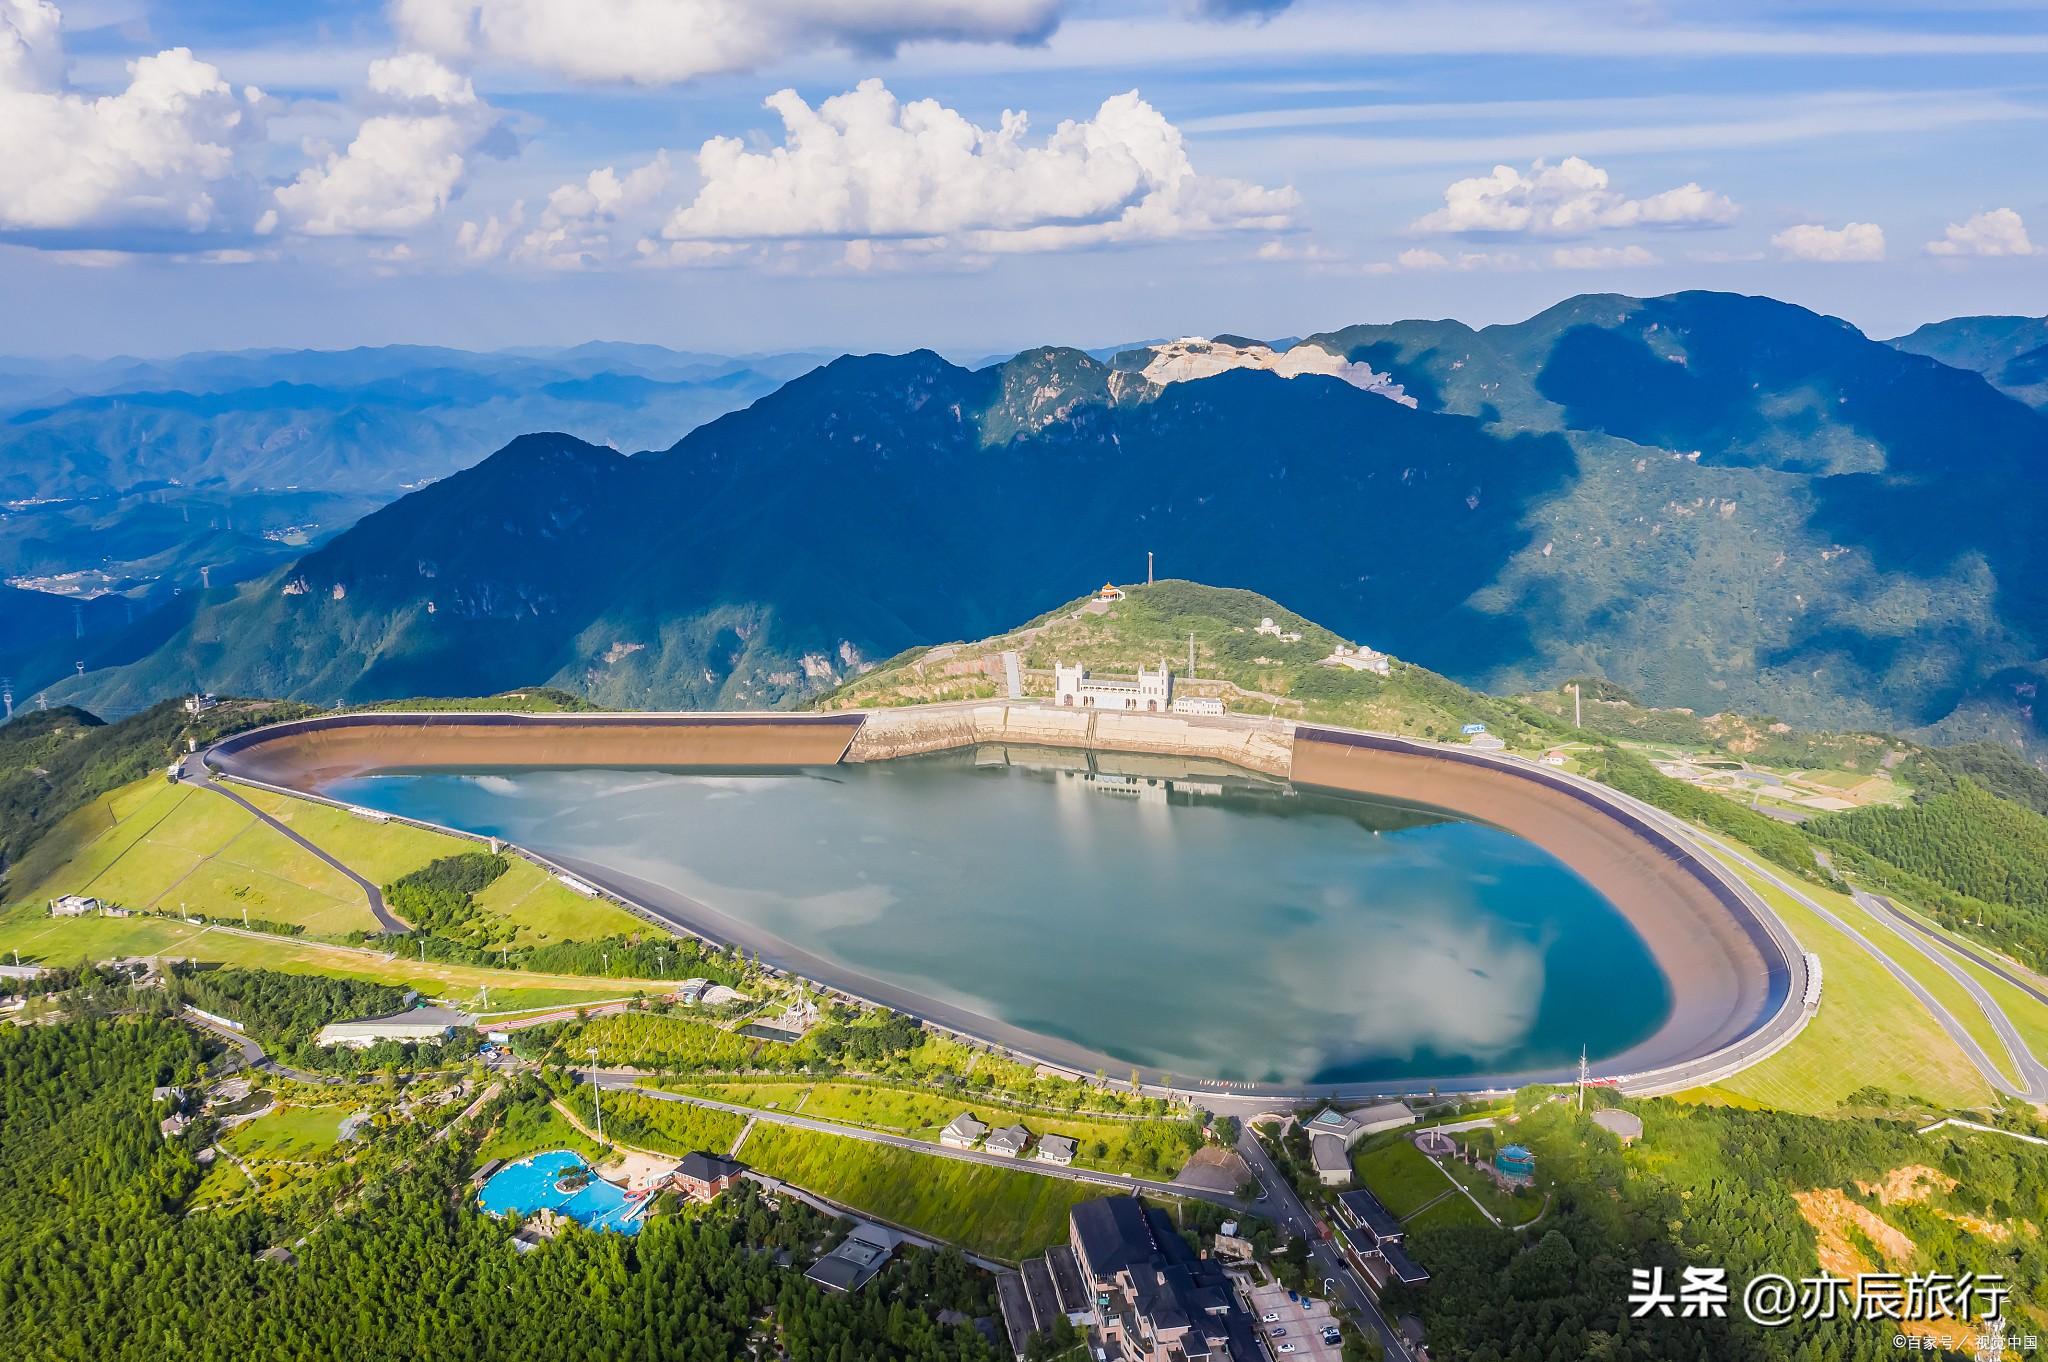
pixel 307 753
pixel 1729 975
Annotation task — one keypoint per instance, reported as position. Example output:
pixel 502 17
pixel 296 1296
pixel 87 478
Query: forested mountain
pixel 1720 502
pixel 2010 351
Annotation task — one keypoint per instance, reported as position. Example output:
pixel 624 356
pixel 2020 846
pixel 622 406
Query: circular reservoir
pixel 1182 917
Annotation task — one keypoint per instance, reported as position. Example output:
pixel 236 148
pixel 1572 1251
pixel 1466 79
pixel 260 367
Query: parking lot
pixel 1303 1322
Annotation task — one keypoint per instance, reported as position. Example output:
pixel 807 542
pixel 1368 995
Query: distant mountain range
pixel 153 480
pixel 2010 351
pixel 372 420
pixel 1720 502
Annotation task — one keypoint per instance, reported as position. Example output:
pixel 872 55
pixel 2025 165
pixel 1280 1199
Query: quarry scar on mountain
pixel 1735 977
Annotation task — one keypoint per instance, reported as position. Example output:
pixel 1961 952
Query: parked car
pixel 1270 1316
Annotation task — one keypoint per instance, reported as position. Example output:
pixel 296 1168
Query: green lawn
pixel 1454 1209
pixel 768 1095
pixel 545 910
pixel 533 1128
pixel 222 1182
pixel 289 1132
pixel 539 905
pixel 187 850
pixel 1512 1210
pixel 992 1211
pixel 379 852
pixel 66 941
pixel 664 1127
pixel 1926 973
pixel 1869 1032
pixel 1400 1177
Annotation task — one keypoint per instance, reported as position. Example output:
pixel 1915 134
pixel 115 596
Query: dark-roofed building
pixel 701 1176
pixel 1372 1239
pixel 863 1253
pixel 1405 1269
pixel 1154 1301
pixel 1362 1209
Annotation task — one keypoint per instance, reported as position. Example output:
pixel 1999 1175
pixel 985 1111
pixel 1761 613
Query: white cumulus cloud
pixel 581 223
pixel 405 161
pixel 1569 198
pixel 1857 242
pixel 1998 232
pixel 862 165
pixel 661 41
pixel 165 153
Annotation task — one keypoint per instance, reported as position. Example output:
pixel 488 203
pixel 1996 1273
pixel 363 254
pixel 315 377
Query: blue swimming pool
pixel 534 1184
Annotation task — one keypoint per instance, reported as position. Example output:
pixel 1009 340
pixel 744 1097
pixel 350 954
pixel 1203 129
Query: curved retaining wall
pixel 333 746
pixel 1737 976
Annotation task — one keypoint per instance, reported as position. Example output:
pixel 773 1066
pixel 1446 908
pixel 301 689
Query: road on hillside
pixel 2032 1075
pixel 194 771
pixel 617 1082
pixel 253 1055
pixel 1283 1205
pixel 1947 1020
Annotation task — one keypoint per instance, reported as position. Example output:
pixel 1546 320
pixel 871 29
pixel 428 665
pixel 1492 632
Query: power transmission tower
pixel 7 696
pixel 1582 1078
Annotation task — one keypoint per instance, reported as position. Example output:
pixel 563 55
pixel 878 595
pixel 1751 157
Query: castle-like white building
pixel 1072 686
pixel 1152 692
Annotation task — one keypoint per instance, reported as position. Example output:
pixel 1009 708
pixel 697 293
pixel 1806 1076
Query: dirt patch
pixel 1834 1216
pixel 1914 1182
pixel 1215 1170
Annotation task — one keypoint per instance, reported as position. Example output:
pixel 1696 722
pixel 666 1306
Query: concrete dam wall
pixel 1264 745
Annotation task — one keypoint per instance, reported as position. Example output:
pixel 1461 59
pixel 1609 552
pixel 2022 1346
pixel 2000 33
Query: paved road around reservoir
pixel 1946 1019
pixel 625 1082
pixel 2033 1076
pixel 193 771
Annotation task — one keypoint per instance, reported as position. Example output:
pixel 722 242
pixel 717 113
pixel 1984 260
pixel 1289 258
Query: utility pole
pixel 595 1106
pixel 1191 654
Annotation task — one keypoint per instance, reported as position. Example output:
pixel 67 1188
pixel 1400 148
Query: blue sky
pixel 852 174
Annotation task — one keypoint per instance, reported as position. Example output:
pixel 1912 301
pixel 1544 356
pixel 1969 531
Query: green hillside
pixel 1282 671
pixel 56 761
pixel 2010 351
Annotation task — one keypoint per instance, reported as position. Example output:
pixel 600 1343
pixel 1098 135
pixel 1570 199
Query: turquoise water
pixel 531 1185
pixel 1189 920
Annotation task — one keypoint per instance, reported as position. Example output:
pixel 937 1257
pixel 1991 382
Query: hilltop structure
pixel 1151 692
